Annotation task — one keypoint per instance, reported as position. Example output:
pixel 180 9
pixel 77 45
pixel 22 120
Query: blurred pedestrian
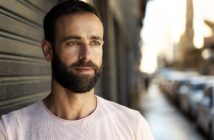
pixel 73 44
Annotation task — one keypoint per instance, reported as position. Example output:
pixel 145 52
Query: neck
pixel 69 105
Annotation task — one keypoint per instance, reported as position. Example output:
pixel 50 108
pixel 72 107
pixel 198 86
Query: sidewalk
pixel 166 122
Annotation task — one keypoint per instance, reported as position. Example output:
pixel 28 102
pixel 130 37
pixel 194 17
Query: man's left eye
pixel 95 43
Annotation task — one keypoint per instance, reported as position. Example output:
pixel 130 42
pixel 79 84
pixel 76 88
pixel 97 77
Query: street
pixel 166 121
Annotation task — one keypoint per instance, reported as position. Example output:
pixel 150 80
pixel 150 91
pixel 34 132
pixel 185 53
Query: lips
pixel 85 70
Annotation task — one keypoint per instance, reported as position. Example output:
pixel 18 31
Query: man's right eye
pixel 72 43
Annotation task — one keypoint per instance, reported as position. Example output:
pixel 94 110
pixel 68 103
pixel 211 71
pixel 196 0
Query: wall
pixel 24 74
pixel 121 50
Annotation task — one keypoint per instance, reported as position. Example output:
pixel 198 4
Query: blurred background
pixel 158 58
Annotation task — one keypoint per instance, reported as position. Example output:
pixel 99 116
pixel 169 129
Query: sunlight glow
pixel 206 54
pixel 207 31
pixel 208 10
pixel 177 19
pixel 165 23
pixel 163 26
pixel 198 22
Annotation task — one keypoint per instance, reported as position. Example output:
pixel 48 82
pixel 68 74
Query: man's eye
pixel 95 43
pixel 72 43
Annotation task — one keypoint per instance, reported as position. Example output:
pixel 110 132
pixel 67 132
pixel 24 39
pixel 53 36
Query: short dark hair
pixel 65 8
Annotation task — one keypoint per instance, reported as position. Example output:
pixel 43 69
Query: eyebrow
pixel 96 38
pixel 78 38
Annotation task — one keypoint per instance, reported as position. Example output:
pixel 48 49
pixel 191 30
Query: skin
pixel 77 36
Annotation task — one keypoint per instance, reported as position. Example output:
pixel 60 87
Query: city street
pixel 166 121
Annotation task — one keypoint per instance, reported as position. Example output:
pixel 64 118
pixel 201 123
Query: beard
pixel 71 79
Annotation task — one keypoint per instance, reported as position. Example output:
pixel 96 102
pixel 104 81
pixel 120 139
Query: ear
pixel 47 49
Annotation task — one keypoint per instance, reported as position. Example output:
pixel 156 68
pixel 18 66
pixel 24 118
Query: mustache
pixel 83 63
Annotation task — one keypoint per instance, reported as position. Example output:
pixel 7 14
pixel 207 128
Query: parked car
pixel 171 80
pixel 192 95
pixel 205 110
pixel 180 87
pixel 162 79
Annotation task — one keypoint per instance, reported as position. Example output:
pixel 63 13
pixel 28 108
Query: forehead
pixel 79 22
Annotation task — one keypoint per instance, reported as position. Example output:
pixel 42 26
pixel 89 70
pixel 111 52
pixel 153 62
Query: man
pixel 73 44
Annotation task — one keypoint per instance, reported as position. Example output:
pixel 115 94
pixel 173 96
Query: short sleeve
pixel 2 131
pixel 143 131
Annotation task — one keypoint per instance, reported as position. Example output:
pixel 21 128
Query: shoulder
pixel 3 135
pixel 24 114
pixel 127 118
pixel 114 105
pixel 120 111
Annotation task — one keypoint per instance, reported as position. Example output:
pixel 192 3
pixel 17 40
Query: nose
pixel 85 52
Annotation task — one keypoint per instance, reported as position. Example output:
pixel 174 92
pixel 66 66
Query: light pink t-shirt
pixel 109 121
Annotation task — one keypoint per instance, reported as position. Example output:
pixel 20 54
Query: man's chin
pixel 84 75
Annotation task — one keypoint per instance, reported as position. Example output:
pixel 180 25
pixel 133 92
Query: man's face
pixel 77 55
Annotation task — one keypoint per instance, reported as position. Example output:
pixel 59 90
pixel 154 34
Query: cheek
pixel 98 56
pixel 69 56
